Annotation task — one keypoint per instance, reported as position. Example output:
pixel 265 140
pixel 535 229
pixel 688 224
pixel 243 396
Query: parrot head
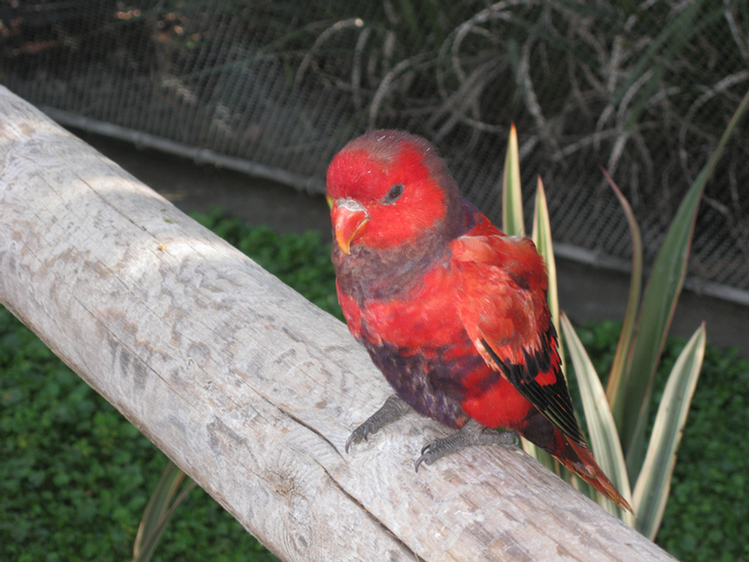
pixel 389 189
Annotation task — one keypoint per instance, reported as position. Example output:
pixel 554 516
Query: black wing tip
pixel 552 400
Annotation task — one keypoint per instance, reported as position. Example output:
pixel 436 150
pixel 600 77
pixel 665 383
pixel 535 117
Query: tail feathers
pixel 577 458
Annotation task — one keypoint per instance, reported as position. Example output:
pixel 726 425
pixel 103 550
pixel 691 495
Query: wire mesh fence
pixel 643 89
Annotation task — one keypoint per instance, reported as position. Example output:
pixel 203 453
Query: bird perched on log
pixel 450 309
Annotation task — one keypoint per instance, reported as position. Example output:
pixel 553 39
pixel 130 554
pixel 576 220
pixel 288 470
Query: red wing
pixel 502 294
pixel 504 310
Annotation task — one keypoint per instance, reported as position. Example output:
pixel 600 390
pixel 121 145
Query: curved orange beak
pixel 349 218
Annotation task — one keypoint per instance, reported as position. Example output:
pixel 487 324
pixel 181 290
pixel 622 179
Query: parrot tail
pixel 577 458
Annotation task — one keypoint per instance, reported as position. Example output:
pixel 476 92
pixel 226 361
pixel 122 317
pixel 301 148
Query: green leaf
pixel 604 438
pixel 654 482
pixel 512 197
pixel 656 313
pixel 658 307
pixel 618 368
pixel 159 511
pixel 542 239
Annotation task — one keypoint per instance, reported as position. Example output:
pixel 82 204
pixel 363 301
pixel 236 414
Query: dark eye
pixel 395 192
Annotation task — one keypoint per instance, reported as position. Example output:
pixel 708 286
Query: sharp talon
pixel 425 458
pixel 360 434
pixel 418 462
pixel 349 441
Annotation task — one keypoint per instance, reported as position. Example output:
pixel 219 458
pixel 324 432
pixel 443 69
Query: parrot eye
pixel 395 192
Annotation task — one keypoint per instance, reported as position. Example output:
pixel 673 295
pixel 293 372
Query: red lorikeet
pixel 452 311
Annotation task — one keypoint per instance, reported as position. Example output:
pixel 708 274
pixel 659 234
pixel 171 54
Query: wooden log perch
pixel 248 387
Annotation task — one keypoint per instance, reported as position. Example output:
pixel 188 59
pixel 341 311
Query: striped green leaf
pixel 654 482
pixel 618 368
pixel 658 307
pixel 512 196
pixel 542 238
pixel 604 438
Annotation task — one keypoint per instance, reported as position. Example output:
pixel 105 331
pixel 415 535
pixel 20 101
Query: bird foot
pixel 471 434
pixel 393 409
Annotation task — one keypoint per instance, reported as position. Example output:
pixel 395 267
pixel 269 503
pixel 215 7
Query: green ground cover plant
pixel 76 476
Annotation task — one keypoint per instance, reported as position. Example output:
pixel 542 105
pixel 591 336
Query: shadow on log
pixel 248 387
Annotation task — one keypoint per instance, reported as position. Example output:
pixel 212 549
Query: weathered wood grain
pixel 250 389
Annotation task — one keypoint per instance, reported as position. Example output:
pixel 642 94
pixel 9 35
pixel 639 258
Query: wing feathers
pixel 552 400
pixel 504 311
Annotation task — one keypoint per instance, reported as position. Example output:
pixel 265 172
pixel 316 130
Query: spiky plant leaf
pixel 656 313
pixel 512 196
pixel 604 438
pixel 654 482
pixel 618 367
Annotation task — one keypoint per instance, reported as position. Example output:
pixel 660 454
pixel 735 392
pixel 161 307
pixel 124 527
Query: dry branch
pixel 246 386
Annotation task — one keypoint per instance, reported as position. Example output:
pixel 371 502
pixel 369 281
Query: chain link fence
pixel 274 88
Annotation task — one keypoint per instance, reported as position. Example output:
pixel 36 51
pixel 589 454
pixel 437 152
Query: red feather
pixel 452 311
